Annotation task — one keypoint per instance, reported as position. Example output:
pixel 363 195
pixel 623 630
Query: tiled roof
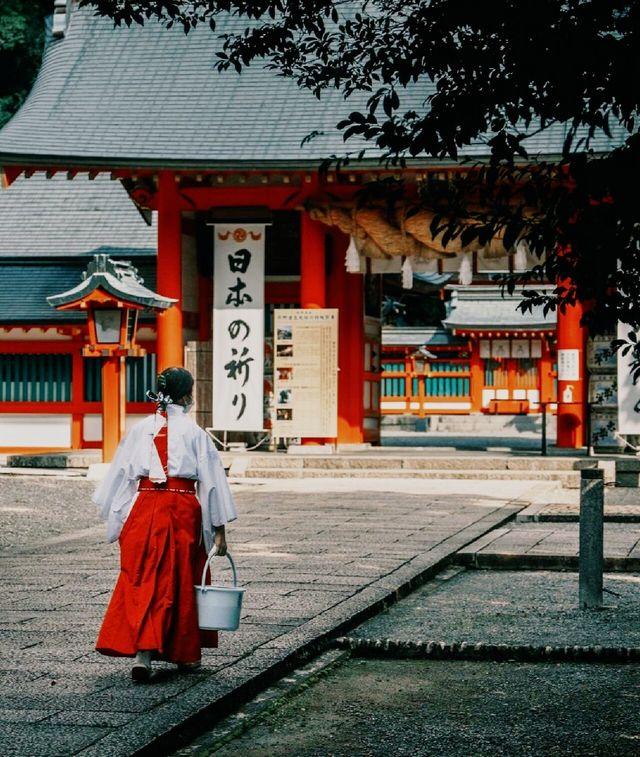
pixel 417 336
pixel 26 284
pixel 56 217
pixel 121 280
pixel 149 96
pixel 482 307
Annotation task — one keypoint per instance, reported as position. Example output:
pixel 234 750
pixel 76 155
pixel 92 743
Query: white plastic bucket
pixel 219 607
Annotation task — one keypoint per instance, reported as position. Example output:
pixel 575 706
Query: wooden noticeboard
pixel 305 373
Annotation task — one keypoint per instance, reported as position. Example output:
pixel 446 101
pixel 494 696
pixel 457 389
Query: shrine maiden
pixel 167 499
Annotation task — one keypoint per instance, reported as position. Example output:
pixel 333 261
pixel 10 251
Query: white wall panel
pixel 35 430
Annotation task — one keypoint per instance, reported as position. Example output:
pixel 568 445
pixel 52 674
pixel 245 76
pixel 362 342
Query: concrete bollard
pixel 591 538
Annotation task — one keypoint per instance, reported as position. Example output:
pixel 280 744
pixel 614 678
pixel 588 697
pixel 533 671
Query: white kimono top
pixel 191 454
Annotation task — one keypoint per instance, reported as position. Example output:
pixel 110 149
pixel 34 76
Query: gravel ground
pixel 371 708
pixel 512 607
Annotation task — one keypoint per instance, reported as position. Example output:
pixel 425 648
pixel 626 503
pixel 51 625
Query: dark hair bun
pixel 175 382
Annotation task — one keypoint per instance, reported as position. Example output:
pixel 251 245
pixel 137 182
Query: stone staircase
pixel 381 464
pixel 480 423
pixel 564 470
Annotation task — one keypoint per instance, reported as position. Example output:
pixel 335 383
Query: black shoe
pixel 141 670
pixel 189 667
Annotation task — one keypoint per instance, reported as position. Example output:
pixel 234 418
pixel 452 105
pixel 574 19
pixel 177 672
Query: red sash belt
pixel 172 484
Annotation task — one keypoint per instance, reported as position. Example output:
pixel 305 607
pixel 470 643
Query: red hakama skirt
pixel 153 606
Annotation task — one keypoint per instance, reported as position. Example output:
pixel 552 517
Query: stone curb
pixel 204 705
pixel 482 651
pixel 574 517
pixel 271 698
pixel 507 561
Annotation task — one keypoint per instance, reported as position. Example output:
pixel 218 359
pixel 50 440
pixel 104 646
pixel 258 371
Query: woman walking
pixel 167 500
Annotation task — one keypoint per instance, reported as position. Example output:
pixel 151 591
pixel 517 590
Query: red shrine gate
pixel 188 142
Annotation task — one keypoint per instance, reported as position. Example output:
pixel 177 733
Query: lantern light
pixel 108 325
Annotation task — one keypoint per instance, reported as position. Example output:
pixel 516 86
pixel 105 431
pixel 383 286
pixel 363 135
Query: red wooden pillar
pixel 476 379
pixel 111 407
pixel 77 397
pixel 313 288
pixel 347 294
pixel 571 378
pixel 408 382
pixel 169 279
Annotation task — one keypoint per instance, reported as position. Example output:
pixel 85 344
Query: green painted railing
pixel 141 376
pixel 442 381
pixel 443 386
pixel 392 386
pixel 35 378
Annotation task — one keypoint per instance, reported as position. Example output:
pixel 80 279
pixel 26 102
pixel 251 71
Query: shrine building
pixel 141 115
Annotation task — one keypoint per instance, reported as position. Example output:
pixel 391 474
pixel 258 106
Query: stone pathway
pixel 316 557
pixel 620 505
pixel 551 545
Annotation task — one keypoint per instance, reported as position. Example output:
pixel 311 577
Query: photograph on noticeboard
pixel 284 350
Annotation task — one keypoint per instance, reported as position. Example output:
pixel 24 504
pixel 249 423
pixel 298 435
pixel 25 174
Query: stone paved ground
pixel 314 557
pixel 538 545
pixel 620 504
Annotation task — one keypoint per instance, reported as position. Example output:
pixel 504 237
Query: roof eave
pixel 456 327
pixel 78 297
pixel 64 162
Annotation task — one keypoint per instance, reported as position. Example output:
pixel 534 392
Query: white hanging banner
pixel 238 327
pixel 628 393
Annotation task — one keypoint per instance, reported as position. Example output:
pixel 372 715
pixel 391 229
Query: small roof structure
pixel 149 96
pixel 419 336
pixel 119 279
pixel 482 308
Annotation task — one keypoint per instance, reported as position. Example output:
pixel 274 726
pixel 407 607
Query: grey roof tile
pixel 56 217
pixel 25 286
pixel 416 336
pixel 485 307
pixel 148 95
pixel 120 280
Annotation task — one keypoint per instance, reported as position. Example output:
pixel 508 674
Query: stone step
pixel 566 478
pixel 447 463
pixel 72 459
pixel 401 462
pixel 490 423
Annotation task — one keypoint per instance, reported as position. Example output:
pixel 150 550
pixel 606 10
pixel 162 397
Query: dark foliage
pixel 21 42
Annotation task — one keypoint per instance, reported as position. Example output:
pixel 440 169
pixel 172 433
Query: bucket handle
pixel 208 564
